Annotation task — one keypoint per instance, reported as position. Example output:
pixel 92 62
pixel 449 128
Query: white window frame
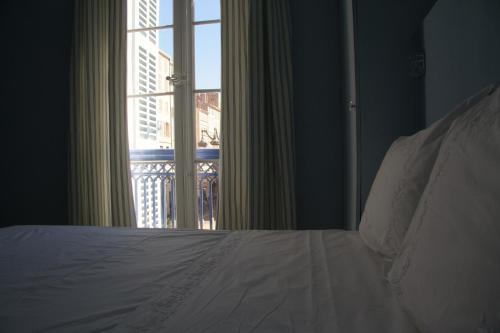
pixel 184 112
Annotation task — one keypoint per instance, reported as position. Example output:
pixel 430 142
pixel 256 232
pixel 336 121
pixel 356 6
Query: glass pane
pixel 151 122
pixel 149 61
pixel 207 56
pixel 205 10
pixel 207 121
pixel 149 13
pixel 151 118
pixel 151 142
pixel 153 188
pixel 207 193
pixel 166 42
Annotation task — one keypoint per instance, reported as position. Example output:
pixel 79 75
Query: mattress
pixel 85 279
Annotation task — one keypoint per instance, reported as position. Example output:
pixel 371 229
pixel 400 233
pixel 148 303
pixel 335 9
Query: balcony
pixel 153 185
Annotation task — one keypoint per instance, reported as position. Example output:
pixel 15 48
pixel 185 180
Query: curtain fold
pixel 258 159
pixel 234 202
pixel 100 188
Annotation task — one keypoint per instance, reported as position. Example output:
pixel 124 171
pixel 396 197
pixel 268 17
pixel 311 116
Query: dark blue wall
pixel 462 43
pixel 390 101
pixel 34 95
pixel 319 125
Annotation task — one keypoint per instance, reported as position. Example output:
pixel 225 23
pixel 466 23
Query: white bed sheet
pixel 84 279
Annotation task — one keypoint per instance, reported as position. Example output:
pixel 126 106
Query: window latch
pixel 177 79
pixel 352 106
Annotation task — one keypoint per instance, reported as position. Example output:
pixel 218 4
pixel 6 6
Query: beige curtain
pixel 258 160
pixel 234 200
pixel 100 188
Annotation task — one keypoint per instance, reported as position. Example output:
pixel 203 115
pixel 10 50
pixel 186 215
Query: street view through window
pixel 171 73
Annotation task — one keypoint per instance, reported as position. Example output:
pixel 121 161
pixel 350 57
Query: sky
pixel 207 41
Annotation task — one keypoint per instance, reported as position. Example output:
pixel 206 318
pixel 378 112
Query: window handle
pixel 352 106
pixel 177 79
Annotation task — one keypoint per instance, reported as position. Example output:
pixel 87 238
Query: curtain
pixel 258 160
pixel 100 188
pixel 234 208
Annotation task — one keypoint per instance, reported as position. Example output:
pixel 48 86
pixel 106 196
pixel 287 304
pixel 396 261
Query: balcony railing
pixel 153 183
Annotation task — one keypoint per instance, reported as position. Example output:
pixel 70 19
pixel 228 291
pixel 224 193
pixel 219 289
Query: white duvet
pixel 83 279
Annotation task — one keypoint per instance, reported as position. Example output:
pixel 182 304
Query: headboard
pixel 462 45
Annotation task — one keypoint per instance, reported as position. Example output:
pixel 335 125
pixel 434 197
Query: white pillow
pixel 448 273
pixel 400 181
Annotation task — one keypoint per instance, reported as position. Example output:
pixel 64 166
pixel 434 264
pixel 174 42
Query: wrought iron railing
pixel 153 183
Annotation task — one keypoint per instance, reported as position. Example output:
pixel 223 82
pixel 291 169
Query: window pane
pixel 166 12
pixel 166 42
pixel 205 10
pixel 207 120
pixel 148 62
pixel 207 117
pixel 151 142
pixel 153 188
pixel 207 56
pixel 207 193
pixel 151 122
pixel 149 13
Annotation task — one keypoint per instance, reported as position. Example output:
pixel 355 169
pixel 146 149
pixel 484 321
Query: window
pixel 173 87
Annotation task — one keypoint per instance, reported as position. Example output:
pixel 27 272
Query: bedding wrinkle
pixel 268 313
pixel 267 285
pixel 152 314
pixel 329 279
pixel 78 321
pixel 309 283
pixel 215 297
pixel 106 273
pixel 191 282
pixel 66 277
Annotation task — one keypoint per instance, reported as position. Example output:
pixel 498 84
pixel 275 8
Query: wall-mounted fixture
pixel 417 65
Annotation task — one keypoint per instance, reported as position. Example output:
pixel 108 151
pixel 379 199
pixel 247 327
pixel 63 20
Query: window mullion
pixel 184 130
pixel 206 90
pixel 160 27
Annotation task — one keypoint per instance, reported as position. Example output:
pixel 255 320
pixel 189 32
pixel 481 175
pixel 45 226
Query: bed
pixel 426 257
pixel 85 279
